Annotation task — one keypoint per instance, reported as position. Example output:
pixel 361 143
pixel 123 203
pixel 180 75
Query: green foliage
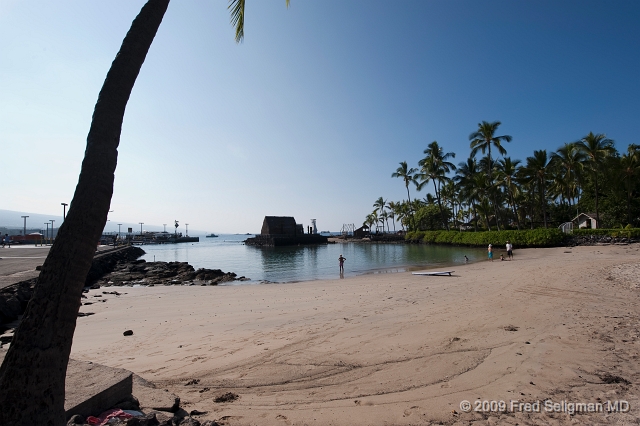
pixel 428 218
pixel 626 232
pixel 519 239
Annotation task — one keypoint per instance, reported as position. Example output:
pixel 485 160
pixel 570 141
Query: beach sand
pixel 389 349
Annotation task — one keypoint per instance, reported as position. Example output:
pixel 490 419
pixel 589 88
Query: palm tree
pixel 629 173
pixel 384 218
pixel 507 172
pixel 464 178
pixel 597 148
pixel 434 168
pixel 538 167
pixel 32 375
pixel 370 221
pixel 380 205
pixel 408 175
pixel 393 210
pixel 482 139
pixel 569 160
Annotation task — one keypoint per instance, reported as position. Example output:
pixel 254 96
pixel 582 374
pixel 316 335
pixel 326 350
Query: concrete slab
pixel 92 388
pixel 153 398
pixel 19 262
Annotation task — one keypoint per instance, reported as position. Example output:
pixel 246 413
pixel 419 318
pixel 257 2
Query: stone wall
pixel 592 240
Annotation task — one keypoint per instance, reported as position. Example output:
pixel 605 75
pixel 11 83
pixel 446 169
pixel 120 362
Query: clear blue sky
pixel 313 112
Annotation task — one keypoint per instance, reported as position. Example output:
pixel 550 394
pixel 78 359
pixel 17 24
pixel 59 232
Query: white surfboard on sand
pixel 433 273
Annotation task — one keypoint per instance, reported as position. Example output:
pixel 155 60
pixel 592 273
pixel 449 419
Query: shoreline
pixel 555 323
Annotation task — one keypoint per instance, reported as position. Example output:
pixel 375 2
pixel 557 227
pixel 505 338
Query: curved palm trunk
pixel 32 376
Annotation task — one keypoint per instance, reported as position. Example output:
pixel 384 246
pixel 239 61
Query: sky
pixel 314 111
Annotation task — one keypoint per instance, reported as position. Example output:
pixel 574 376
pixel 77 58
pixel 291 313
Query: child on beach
pixel 466 259
pixel 490 252
pixel 341 260
pixel 502 257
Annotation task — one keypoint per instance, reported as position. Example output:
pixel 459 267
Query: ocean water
pixel 305 263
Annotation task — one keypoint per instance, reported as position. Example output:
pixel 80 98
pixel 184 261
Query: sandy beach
pixel 554 325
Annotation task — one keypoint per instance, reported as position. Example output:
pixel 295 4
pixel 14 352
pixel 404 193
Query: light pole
pixel 165 227
pixel 52 220
pixel 64 210
pixel 186 232
pixel 141 223
pixel 46 236
pixel 118 237
pixel 24 233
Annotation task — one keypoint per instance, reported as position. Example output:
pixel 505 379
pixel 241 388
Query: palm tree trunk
pixel 475 214
pixel 444 220
pixel 32 376
pixel 543 201
pixel 513 206
pixel 410 208
pixel 595 176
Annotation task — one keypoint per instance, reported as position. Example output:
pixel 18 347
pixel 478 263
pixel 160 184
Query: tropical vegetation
pixel 490 191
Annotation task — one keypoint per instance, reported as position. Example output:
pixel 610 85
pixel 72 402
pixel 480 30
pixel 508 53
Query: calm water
pixel 304 263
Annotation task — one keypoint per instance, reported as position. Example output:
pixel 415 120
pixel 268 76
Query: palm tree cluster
pixel 492 191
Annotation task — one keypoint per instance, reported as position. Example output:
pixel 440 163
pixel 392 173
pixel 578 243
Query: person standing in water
pixel 341 260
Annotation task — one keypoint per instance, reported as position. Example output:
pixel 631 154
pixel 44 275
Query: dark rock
pixel 39 268
pixel 148 420
pixel 197 413
pixel 85 314
pixel 130 403
pixel 10 308
pixel 609 379
pixel 76 419
pixel 227 397
pixel 189 421
pixel 128 333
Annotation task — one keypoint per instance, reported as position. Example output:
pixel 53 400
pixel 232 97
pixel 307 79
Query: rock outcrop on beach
pixel 164 273
pixel 116 267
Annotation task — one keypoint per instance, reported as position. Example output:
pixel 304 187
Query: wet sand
pixel 397 349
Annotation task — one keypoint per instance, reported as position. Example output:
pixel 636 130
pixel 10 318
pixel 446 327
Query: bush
pixel 520 239
pixel 615 233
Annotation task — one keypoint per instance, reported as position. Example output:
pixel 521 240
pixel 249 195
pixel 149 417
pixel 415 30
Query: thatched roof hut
pixel 280 225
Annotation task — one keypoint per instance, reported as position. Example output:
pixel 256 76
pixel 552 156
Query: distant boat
pixel 212 236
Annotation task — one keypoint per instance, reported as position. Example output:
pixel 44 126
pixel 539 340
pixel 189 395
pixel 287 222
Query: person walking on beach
pixel 509 250
pixel 7 241
pixel 341 260
pixel 490 252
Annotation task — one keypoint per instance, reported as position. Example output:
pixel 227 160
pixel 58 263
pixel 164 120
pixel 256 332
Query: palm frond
pixel 236 7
